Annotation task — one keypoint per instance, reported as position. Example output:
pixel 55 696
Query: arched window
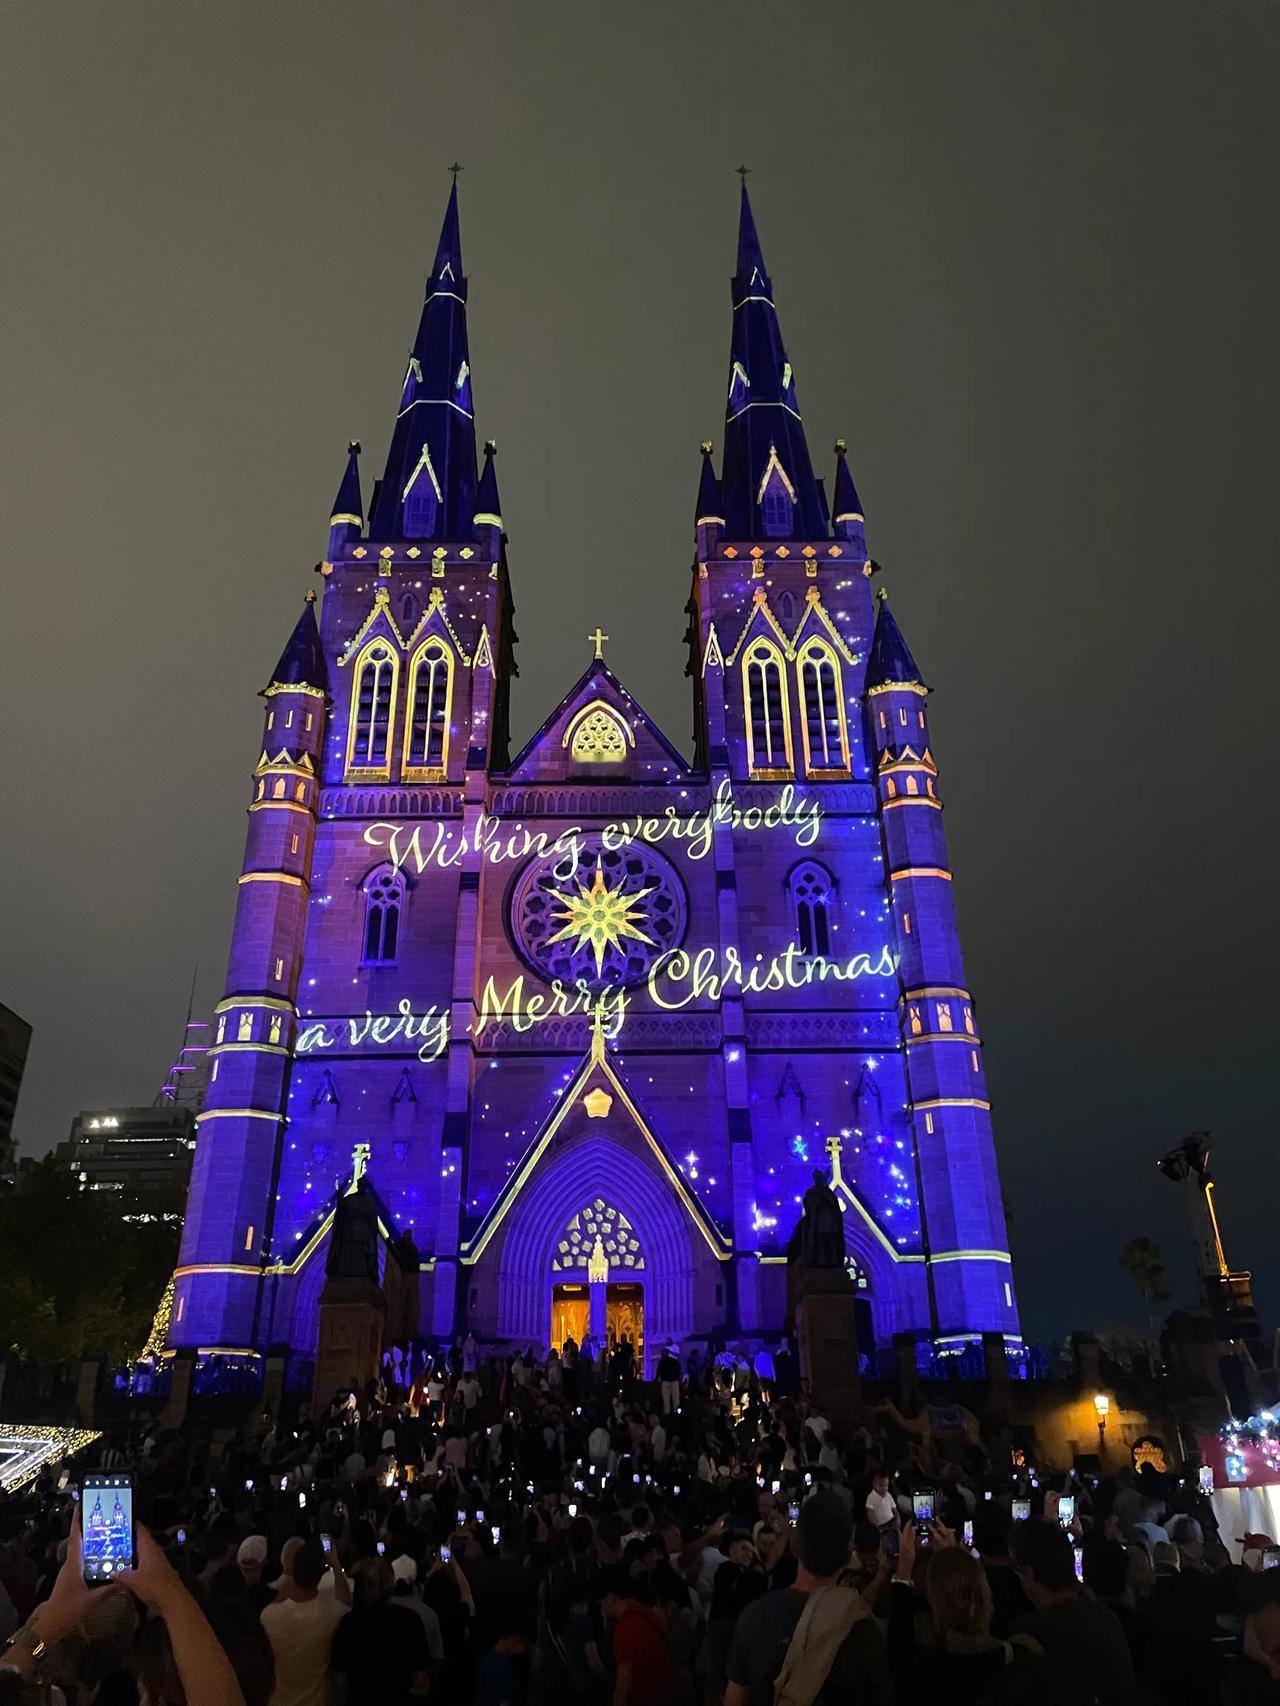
pixel 383 898
pixel 408 610
pixel 421 500
pixel 426 751
pixel 598 737
pixel 811 895
pixel 768 724
pixel 776 508
pixel 826 744
pixel 786 607
pixel 374 701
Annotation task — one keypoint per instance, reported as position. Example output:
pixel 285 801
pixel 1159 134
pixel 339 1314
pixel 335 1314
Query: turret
pixel 241 1125
pixel 962 1216
pixel 346 524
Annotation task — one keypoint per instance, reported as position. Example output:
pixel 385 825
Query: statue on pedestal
pixel 817 1244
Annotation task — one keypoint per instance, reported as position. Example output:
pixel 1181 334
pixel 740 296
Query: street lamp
pixel 1102 1405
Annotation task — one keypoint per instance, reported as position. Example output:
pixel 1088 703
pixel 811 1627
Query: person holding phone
pixel 203 1667
pixel 301 1626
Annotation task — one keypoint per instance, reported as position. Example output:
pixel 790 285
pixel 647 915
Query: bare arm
pixel 341 1586
pixel 203 1667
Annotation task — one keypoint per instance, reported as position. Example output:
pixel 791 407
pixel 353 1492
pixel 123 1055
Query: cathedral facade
pixel 586 1018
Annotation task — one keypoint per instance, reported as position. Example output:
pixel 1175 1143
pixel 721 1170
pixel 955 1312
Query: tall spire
pixel 428 490
pixel 347 521
pixel 891 664
pixel 488 507
pixel 768 486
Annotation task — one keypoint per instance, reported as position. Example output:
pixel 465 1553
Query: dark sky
pixel 1027 261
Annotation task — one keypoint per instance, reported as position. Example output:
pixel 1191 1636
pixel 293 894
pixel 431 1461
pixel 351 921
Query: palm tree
pixel 1142 1260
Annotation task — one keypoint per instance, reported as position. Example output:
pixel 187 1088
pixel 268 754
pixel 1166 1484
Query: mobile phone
pixel 404 1495
pixel 284 1483
pixel 1021 1510
pixel 326 1544
pixel 1067 1509
pixel 248 1486
pixel 446 1554
pixel 181 1537
pixel 968 1531
pixel 109 1536
pixel 382 1547
pixel 776 1487
pixel 675 1492
pixel 479 1516
pixel 793 1513
pixel 1078 1553
pixel 302 1501
pixel 988 1494
pixel 1270 1557
pixel 889 1542
pixel 922 1508
pixel 1206 1478
pixel 496 1532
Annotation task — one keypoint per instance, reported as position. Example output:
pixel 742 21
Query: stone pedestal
pixel 827 1340
pixel 353 1315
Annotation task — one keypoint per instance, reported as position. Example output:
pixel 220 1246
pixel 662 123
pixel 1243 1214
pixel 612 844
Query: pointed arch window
pixel 421 500
pixel 826 735
pixel 373 700
pixel 768 720
pixel 776 509
pixel 384 892
pixel 426 751
pixel 811 895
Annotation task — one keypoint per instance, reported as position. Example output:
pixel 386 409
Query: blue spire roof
pixel 767 483
pixel 429 488
pixel 488 505
pixel 848 503
pixel 891 662
pixel 347 520
pixel 302 660
pixel 710 504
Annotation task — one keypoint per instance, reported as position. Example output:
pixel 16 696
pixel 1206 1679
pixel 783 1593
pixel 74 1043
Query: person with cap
pixel 300 1627
pixel 251 1557
pixel 405 1596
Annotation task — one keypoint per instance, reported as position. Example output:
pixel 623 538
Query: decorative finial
pixel 310 596
pixel 454 170
pixel 882 595
pixel 353 447
pixel 707 447
pixel 744 172
pixel 841 447
pixel 598 639
pixel 491 447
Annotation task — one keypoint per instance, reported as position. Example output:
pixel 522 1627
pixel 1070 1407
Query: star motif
pixel 601 916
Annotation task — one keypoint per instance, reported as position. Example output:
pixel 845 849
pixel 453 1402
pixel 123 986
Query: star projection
pixel 602 917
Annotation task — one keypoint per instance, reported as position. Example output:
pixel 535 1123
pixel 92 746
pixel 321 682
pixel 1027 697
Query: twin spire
pixel 430 491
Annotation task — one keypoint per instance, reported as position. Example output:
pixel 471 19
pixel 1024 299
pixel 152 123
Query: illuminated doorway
pixel 570 1314
pixel 624 1315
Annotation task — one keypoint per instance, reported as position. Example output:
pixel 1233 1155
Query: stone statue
pixel 353 1242
pixel 818 1240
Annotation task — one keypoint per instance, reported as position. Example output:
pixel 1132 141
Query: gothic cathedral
pixel 580 1023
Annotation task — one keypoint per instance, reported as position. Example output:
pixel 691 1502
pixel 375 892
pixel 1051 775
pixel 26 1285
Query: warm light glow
pixel 1102 1404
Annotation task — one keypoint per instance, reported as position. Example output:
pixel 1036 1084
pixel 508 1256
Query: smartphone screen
pixel 1270 1557
pixel 1078 1552
pixel 446 1553
pixel 1021 1510
pixel 107 1503
pixel 326 1544
pixel 793 1513
pixel 922 1507
pixel 968 1531
pixel 1206 1478
pixel 1067 1509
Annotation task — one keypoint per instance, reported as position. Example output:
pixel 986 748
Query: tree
pixel 76 1275
pixel 1142 1260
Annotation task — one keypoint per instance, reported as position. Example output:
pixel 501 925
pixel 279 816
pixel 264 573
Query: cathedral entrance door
pixel 624 1313
pixel 570 1314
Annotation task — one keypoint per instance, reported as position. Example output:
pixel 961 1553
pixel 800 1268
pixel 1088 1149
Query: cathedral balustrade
pixel 390 802
pixel 573 1034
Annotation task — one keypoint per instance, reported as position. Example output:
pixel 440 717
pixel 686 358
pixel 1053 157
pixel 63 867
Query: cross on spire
pixel 597 640
pixel 454 170
pixel 744 172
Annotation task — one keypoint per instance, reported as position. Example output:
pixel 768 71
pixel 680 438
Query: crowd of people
pixel 555 1528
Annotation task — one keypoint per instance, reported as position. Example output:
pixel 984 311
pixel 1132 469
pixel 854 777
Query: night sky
pixel 1027 262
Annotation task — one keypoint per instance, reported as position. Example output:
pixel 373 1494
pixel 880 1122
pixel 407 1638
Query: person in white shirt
pixel 469 1391
pixel 300 1628
pixel 598 1446
pixel 881 1510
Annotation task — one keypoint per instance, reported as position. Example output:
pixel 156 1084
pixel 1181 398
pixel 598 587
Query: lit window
pixel 811 894
pixel 598 738
pixel 430 689
pixel 826 746
pixel 776 508
pixel 768 725
pixel 375 689
pixel 383 898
